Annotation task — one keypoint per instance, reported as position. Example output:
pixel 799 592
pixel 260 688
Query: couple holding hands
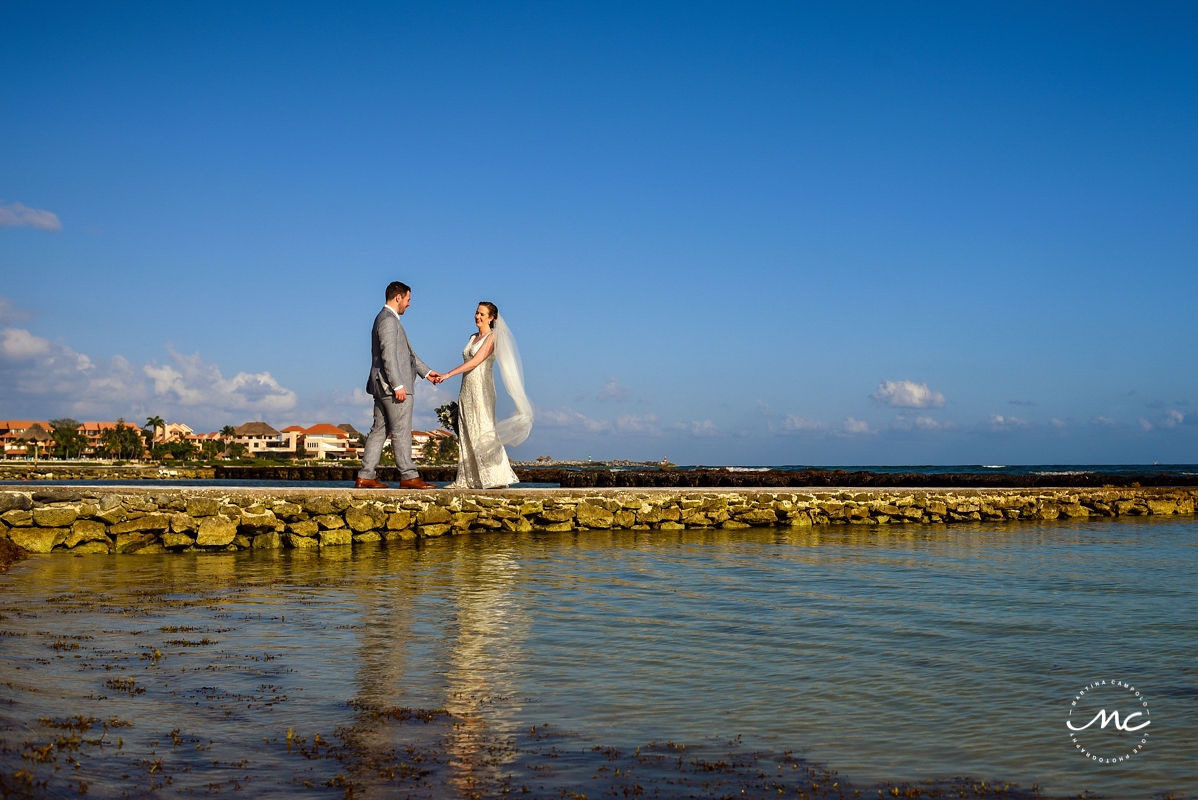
pixel 394 370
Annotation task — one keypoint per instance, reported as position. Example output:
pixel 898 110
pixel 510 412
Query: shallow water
pixel 544 661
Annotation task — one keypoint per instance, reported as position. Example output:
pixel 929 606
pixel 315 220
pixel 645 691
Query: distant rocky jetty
pixel 615 474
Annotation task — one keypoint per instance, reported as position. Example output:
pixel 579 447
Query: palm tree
pixel 155 423
pixel 227 434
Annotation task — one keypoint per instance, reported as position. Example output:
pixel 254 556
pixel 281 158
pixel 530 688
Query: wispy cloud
pixel 793 423
pixel 704 428
pixel 850 426
pixel 19 215
pixel 856 427
pixel 907 394
pixel 920 423
pixel 570 419
pixel 1000 422
pixel 614 392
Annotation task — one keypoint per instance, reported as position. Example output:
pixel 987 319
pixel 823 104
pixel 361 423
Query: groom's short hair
pixel 396 288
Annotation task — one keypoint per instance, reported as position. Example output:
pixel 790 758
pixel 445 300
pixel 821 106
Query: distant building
pixel 262 441
pixel 14 431
pixel 421 438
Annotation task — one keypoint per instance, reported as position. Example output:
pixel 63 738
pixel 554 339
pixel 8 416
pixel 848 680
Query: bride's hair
pixel 494 309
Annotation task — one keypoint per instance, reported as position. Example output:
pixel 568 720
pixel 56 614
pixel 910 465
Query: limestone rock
pixel 336 538
pixel 300 542
pixel 463 520
pixel 111 515
pixel 759 516
pixel 184 523
pixel 150 522
pixel 368 536
pixel 202 507
pixel 557 514
pixel 87 530
pixel 1161 505
pixel 177 540
pixel 132 542
pixel 90 548
pixel 319 506
pixel 399 520
pixel 271 540
pixel 15 501
pixel 305 527
pixel 431 531
pixel 55 516
pixel 216 531
pixel 17 518
pixel 264 520
pixel 38 540
pixel 330 521
pixel 287 511
pixel 594 516
pixel 517 525
pixel 434 515
pixel 368 518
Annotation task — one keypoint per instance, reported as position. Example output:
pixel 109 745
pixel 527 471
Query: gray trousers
pixel 392 419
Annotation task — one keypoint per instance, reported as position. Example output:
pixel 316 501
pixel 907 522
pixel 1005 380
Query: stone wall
pixel 152 520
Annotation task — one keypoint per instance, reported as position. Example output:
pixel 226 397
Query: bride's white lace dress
pixel 482 461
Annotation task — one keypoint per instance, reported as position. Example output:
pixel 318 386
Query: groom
pixel 393 373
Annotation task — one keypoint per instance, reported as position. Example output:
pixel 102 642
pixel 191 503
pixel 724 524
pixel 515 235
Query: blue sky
pixel 765 233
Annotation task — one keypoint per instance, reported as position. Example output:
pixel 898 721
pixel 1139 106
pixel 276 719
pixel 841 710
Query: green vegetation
pixel 123 441
pixel 68 441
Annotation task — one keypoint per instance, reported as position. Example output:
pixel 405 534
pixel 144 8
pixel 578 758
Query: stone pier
pixel 144 520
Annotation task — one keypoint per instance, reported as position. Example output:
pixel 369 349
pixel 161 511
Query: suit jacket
pixel 392 362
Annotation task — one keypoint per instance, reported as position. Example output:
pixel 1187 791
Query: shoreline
pixel 618 475
pixel 132 519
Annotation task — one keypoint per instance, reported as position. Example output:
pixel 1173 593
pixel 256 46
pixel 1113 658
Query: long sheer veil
pixel 514 429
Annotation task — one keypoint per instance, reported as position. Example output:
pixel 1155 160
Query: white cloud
pixel 1058 423
pixel 645 425
pixel 920 423
pixel 19 215
pixel 698 428
pixel 907 394
pixel 572 420
pixel 793 423
pixel 614 392
pixel 1173 418
pixel 1105 422
pixel 1145 425
pixel 191 381
pixel 998 422
pixel 856 427
pixel 19 343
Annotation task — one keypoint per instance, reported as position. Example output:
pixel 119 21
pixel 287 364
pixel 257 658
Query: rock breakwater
pixel 125 521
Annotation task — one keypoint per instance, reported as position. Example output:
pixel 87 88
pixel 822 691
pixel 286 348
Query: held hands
pixel 435 377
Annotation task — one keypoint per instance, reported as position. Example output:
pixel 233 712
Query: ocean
pixel 658 663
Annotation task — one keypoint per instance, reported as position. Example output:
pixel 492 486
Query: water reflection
pixel 900 653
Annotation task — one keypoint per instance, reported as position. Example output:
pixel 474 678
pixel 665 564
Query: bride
pixel 483 462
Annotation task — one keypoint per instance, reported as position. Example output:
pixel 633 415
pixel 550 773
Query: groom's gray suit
pixel 392 365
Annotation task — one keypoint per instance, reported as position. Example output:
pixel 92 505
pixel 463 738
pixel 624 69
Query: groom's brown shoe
pixel 416 483
pixel 369 483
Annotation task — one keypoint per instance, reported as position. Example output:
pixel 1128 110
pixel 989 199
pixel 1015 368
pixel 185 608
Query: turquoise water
pixel 544 662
